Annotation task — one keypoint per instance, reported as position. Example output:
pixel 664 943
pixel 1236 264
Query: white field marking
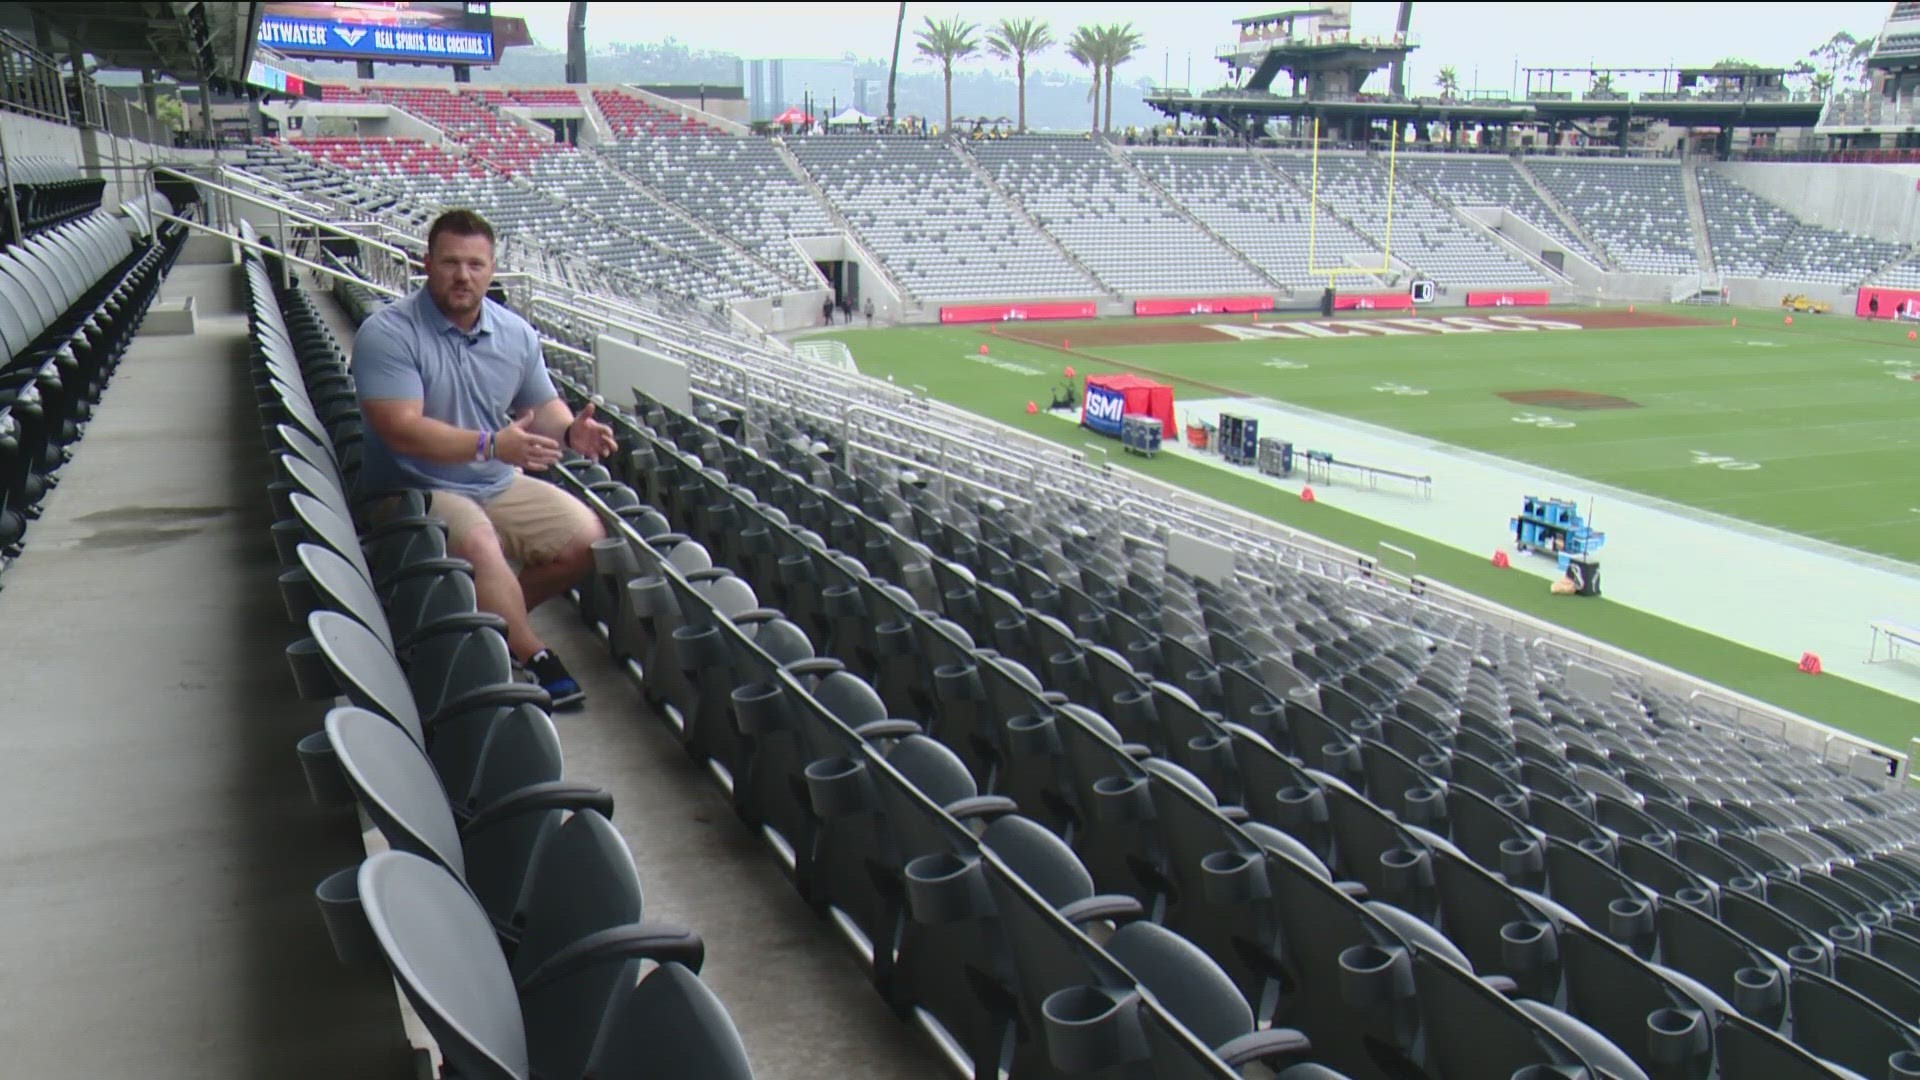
pixel 1012 367
pixel 1399 389
pixel 1550 422
pixel 1279 364
pixel 1727 464
pixel 1762 344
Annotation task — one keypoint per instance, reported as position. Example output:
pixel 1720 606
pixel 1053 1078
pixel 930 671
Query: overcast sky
pixel 1493 39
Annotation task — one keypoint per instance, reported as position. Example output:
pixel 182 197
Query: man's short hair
pixel 459 223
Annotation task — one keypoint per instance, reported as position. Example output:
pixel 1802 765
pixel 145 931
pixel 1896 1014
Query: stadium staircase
pixel 1502 240
pixel 1697 215
pixel 1328 208
pixel 869 261
pixel 987 181
pixel 596 119
pixel 1566 217
pixel 699 224
pixel 1908 255
pixel 1126 162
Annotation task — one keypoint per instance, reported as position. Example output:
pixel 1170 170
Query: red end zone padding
pixel 1142 396
pixel 1386 301
pixel 1891 302
pixel 1210 305
pixel 1538 298
pixel 1079 309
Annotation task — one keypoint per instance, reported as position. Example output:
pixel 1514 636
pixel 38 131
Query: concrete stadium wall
pixel 1873 200
pixel 29 136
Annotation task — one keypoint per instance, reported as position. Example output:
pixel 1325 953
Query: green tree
pixel 1085 48
pixel 1015 40
pixel 170 112
pixel 1448 81
pixel 1119 43
pixel 945 42
pixel 893 73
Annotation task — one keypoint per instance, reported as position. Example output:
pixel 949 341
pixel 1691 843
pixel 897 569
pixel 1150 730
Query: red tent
pixel 1142 396
pixel 793 115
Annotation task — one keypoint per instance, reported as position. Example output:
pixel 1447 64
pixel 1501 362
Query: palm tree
pixel 1119 43
pixel 1085 47
pixel 893 73
pixel 943 43
pixel 1015 40
pixel 1448 81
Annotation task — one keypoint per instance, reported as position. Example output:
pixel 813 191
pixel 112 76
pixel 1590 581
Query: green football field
pixel 1807 428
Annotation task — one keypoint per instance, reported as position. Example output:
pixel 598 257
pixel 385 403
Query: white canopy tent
pixel 850 116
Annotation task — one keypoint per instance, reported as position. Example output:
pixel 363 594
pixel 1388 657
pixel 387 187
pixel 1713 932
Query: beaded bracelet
pixel 480 447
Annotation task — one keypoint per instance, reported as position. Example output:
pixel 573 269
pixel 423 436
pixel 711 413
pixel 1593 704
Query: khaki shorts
pixel 534 519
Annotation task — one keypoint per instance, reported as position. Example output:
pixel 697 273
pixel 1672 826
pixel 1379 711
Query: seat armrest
pixel 1265 1046
pixel 888 729
pixel 498 696
pixel 981 806
pixel 447 624
pixel 539 798
pixel 1104 908
pixel 817 665
pixel 659 942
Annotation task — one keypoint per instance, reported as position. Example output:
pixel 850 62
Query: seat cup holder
pixel 1757 993
pixel 1122 799
pixel 839 787
pixel 1423 806
pixel 1374 978
pixel 298 595
pixel 1903 1064
pixel 944 888
pixel 1032 736
pixel 1676 1038
pixel 338 897
pixel 649 597
pixel 1522 862
pixel 1233 877
pixel 954 682
pixel 312 676
pixel 288 534
pixel 759 708
pixel 1630 922
pixel 615 557
pixel 326 782
pixel 1808 958
pixel 699 648
pixel 1528 947
pixel 1300 808
pixel 1091 1028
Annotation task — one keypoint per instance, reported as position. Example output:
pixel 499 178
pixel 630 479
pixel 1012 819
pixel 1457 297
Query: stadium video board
pixel 429 33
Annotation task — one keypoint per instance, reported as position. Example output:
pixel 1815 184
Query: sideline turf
pixel 1816 406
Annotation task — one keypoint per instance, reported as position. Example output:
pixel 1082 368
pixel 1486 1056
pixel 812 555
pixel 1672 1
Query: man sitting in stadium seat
pixel 458 403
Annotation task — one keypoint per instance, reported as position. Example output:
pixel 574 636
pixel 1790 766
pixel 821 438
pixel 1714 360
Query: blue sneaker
pixel 554 678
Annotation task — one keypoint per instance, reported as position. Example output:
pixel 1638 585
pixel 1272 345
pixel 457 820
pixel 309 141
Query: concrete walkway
pixel 1774 591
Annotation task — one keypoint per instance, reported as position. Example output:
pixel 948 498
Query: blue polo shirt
pixel 410 350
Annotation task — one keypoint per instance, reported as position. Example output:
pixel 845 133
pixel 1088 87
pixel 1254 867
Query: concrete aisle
pixel 161 850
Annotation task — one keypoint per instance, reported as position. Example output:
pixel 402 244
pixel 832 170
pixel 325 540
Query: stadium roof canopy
pixel 188 41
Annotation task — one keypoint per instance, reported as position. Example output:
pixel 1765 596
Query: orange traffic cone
pixel 1067 343
pixel 1911 335
pixel 1810 663
pixel 1306 494
pixel 1032 408
pixel 983 350
pixel 1789 320
pixel 1501 561
pixel 1736 322
pixel 1629 309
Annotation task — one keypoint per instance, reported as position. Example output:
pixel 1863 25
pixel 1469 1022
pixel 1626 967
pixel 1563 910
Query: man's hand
pixel 589 437
pixel 518 444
